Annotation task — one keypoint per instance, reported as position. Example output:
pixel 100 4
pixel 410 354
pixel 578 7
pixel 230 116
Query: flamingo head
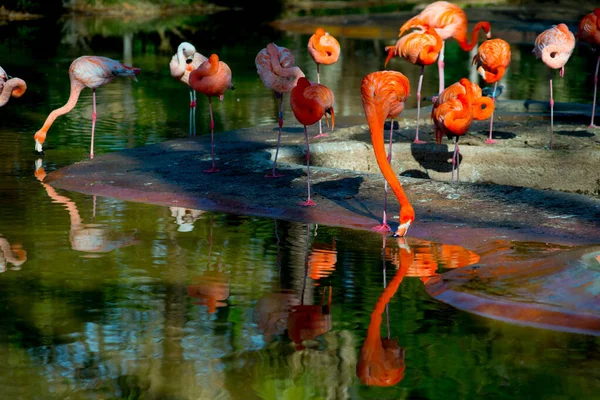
pixel 3 75
pixel 320 32
pixel 187 49
pixel 407 216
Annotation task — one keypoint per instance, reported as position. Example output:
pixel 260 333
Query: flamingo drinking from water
pixel 449 20
pixel 310 102
pixel 589 31
pixel 10 87
pixel 275 66
pixel 212 78
pixel 422 47
pixel 554 46
pixel 383 95
pixel 492 59
pixel 182 64
pixel 324 49
pixel 91 72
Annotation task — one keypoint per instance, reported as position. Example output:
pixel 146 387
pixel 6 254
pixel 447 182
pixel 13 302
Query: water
pixel 104 298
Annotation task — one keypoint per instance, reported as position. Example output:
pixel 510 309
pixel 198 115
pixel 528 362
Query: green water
pixel 105 299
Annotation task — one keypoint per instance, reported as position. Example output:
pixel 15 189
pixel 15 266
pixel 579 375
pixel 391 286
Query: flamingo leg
pixel 321 134
pixel 417 141
pixel 489 139
pixel 274 173
pixel 456 162
pixel 308 202
pixel 93 122
pixel 384 227
pixel 192 112
pixel 595 89
pixel 551 112
pixel 212 139
pixel 441 67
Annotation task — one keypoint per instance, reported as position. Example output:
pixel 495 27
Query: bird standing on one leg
pixel 310 102
pixel 383 95
pixel 589 31
pixel 421 47
pixel 91 72
pixel 449 20
pixel 182 64
pixel 275 66
pixel 324 49
pixel 10 87
pixel 554 46
pixel 212 78
pixel 492 59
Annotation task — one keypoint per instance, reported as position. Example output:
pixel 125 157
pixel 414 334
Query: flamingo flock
pixel 421 42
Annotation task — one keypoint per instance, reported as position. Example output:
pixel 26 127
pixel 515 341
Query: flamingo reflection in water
pixel 88 238
pixel 11 253
pixel 185 218
pixel 212 287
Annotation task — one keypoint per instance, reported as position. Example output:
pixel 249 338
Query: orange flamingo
pixel 589 31
pixel 381 360
pixel 212 78
pixel 554 46
pixel 307 322
pixel 449 20
pixel 275 66
pixel 10 87
pixel 182 64
pixel 492 59
pixel 91 72
pixel 310 102
pixel 324 49
pixel 383 95
pixel 421 47
pixel 452 114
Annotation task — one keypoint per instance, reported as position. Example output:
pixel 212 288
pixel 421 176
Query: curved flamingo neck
pixel 469 46
pixel 491 76
pixel 76 88
pixel 74 216
pixel 430 53
pixel 14 87
pixel 317 42
pixel 207 68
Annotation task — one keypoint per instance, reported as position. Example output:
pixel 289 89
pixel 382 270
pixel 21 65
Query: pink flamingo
pixel 212 78
pixel 589 31
pixel 310 102
pixel 324 49
pixel 182 64
pixel 554 46
pixel 449 20
pixel 91 72
pixel 275 66
pixel 10 87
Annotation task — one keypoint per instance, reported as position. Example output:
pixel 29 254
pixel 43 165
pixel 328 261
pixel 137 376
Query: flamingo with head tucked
pixel 91 72
pixel 182 64
pixel 492 59
pixel 275 66
pixel 554 46
pixel 310 102
pixel 212 78
pixel 422 47
pixel 589 31
pixel 10 87
pixel 449 20
pixel 324 49
pixel 383 94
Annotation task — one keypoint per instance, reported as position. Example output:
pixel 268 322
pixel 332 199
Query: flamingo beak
pixel 390 50
pixel 489 34
pixel 332 118
pixel 402 229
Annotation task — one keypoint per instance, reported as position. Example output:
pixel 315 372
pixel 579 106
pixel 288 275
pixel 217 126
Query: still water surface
pixel 104 298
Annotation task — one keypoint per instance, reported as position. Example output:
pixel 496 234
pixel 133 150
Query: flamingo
pixel 589 31
pixel 310 102
pixel 10 87
pixel 383 95
pixel 492 59
pixel 182 64
pixel 454 110
pixel 324 49
pixel 420 47
pixel 449 20
pixel 275 66
pixel 212 78
pixel 554 46
pixel 91 72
